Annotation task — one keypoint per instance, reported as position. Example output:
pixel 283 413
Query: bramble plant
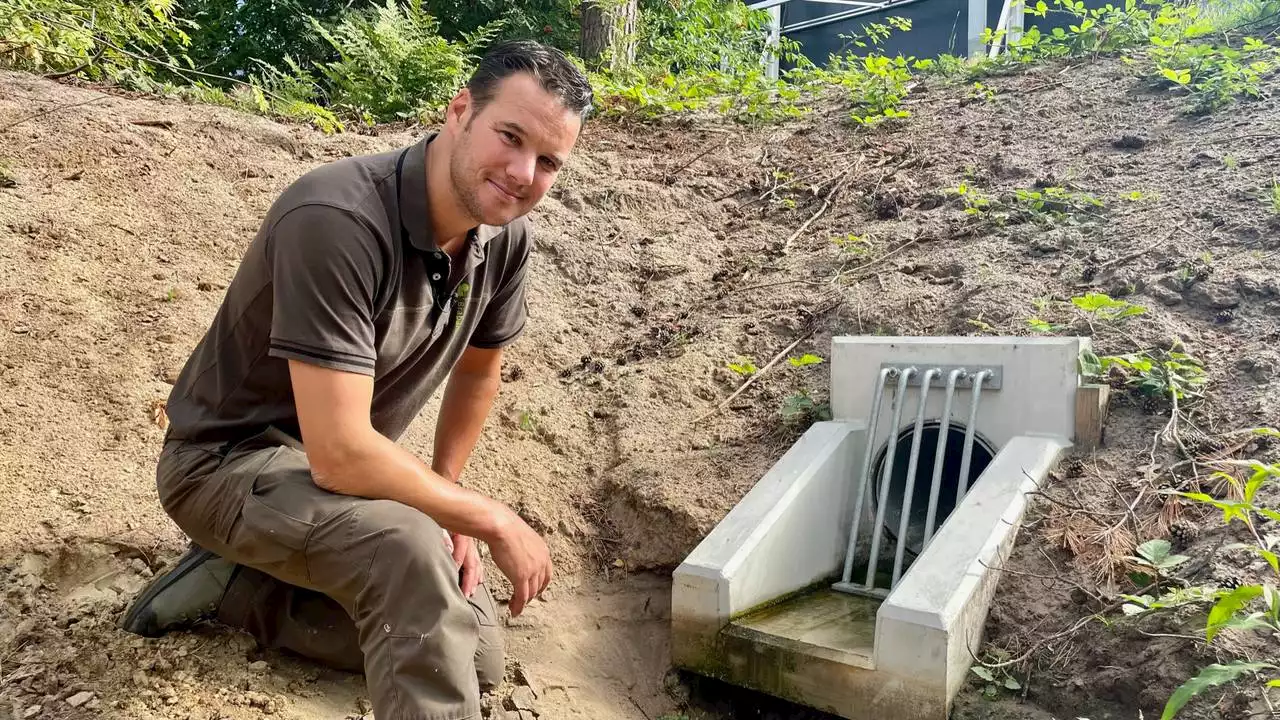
pixel 1053 204
pixel 802 409
pixel 1161 373
pixel 1248 607
pixel 744 366
pixel 1213 76
pixel 805 360
pixel 998 677
pixel 975 201
pixel 1106 308
pixel 854 244
pixel 1156 561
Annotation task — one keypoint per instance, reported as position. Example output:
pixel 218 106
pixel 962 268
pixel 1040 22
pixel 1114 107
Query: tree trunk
pixel 609 33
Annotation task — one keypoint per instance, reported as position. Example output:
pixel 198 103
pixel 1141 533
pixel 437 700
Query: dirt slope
pixel 661 255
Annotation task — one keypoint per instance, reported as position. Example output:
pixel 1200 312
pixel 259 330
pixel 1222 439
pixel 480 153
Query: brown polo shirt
pixel 343 273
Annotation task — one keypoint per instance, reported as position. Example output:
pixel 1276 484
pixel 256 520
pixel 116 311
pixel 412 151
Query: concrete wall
pixel 934 618
pixel 788 533
pixel 1037 396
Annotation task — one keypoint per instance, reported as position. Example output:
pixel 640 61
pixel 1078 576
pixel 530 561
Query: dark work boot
pixel 186 594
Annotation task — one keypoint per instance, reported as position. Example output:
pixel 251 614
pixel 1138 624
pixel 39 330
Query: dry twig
pixel 836 184
pixel 751 380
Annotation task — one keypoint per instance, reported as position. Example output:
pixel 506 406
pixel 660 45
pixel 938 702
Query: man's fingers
pixel 470 579
pixel 460 548
pixel 517 600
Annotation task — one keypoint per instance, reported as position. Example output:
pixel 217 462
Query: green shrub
pixel 702 36
pixel 87 36
pixel 393 64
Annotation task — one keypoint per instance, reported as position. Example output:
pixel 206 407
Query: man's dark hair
pixel 553 70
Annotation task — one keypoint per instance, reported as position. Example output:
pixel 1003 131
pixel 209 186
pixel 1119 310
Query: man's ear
pixel 459 108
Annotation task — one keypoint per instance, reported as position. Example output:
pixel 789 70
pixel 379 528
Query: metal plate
pixel 939 382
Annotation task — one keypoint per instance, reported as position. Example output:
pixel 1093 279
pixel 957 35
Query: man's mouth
pixel 505 193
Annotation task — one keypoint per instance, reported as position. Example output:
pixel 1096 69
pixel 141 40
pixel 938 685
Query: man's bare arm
pixel 468 398
pixel 348 456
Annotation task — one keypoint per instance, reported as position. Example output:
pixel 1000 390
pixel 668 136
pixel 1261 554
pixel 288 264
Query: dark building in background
pixel 938 27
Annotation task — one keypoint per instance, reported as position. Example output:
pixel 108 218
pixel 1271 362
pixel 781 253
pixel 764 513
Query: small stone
pixel 572 200
pixel 80 698
pixel 260 666
pixel 522 698
pixel 1164 295
pixel 32 711
pixel 1213 296
pixel 1129 142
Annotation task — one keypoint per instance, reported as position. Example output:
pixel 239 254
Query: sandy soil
pixel 662 254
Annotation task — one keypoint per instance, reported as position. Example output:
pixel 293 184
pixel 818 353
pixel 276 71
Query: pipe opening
pixel 948 489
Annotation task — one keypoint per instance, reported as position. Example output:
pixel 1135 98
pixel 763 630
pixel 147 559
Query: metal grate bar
pixel 847 575
pixel 940 453
pixel 910 376
pixel 968 433
pixel 899 399
pixel 912 465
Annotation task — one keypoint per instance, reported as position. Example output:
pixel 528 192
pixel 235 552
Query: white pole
pixel 977 23
pixel 775 35
pixel 1003 24
pixel 1016 20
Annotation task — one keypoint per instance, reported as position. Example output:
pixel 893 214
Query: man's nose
pixel 521 168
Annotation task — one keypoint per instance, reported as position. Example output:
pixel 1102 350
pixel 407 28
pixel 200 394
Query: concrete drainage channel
pixel 855 577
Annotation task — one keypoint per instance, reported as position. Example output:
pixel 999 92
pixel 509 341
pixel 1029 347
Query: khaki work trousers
pixel 354 583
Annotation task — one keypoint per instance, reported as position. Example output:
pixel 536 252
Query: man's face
pixel 506 157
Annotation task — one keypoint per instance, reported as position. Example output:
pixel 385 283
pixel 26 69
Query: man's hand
pixel 522 556
pixel 466 555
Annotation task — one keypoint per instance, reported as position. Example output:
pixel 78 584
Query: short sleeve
pixel 507 311
pixel 325 268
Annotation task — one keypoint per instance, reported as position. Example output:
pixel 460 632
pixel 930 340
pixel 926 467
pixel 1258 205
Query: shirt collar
pixel 416 215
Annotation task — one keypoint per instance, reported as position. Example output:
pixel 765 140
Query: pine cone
pixel 1228 578
pixel 1117 378
pixel 1073 468
pixel 1183 533
pixel 1152 404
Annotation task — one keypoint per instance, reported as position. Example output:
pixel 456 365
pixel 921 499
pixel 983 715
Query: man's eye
pixel 548 165
pixel 510 137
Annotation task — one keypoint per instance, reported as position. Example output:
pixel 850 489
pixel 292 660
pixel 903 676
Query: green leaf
pixel 806 359
pixel 1210 676
pixel 1093 302
pixel 1255 482
pixel 1271 558
pixel 1039 325
pixel 1155 551
pixel 983 673
pixel 1012 684
pixel 1225 609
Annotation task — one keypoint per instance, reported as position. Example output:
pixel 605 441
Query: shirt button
pixel 438 255
pixel 435 276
